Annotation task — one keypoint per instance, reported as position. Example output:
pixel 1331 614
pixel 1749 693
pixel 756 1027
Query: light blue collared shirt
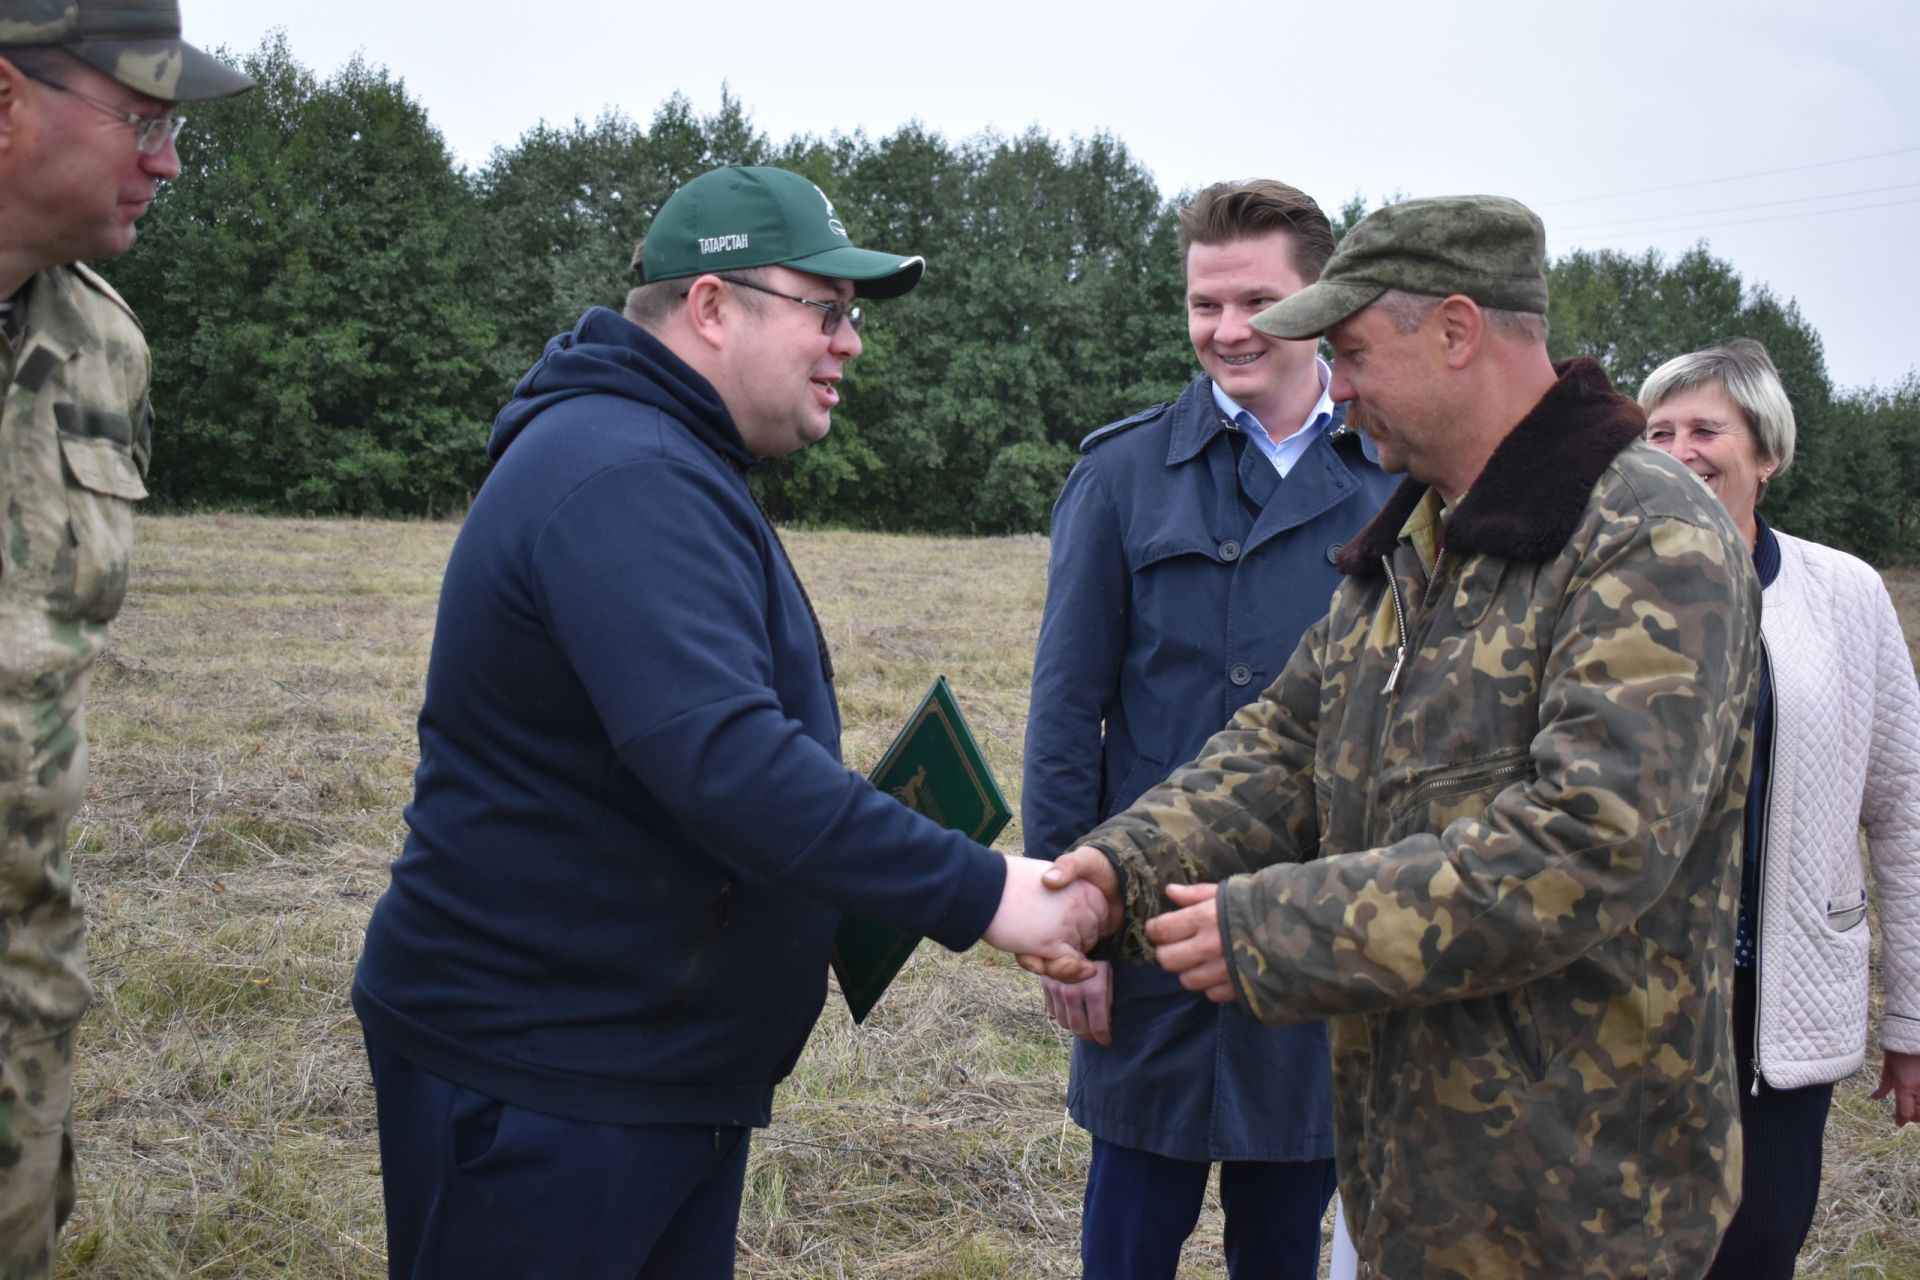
pixel 1288 451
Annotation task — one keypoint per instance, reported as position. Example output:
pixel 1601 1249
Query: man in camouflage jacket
pixel 86 132
pixel 1487 819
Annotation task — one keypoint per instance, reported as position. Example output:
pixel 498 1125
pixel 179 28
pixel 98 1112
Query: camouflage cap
pixel 137 42
pixel 1489 248
pixel 746 216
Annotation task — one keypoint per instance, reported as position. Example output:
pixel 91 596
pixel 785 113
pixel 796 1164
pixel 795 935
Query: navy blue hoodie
pixel 631 831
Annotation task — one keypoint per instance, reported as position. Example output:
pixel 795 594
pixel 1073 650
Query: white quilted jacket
pixel 1846 756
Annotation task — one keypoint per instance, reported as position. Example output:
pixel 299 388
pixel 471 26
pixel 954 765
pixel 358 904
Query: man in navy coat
pixel 1192 546
pixel 632 833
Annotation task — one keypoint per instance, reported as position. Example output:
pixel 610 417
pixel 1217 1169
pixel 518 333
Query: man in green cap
pixel 88 98
pixel 1486 820
pixel 632 835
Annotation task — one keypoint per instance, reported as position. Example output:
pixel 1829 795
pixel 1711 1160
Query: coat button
pixel 1241 673
pixel 1229 550
pixel 1333 552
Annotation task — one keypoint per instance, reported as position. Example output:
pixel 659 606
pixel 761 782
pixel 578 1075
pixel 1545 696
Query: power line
pixel 1747 222
pixel 1742 208
pixel 1738 177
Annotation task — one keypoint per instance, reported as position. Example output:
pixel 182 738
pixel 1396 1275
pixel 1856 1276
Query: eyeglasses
pixel 835 311
pixel 150 133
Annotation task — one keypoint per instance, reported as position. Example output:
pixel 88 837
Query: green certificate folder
pixel 935 768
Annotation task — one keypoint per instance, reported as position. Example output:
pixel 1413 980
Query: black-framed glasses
pixel 150 133
pixel 836 311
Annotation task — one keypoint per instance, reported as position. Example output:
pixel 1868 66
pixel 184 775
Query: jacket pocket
pixel 1522 1040
pixel 473 1120
pixel 1476 583
pixel 712 924
pixel 1323 801
pixel 103 482
pixel 1142 776
pixel 1844 918
pixel 1442 796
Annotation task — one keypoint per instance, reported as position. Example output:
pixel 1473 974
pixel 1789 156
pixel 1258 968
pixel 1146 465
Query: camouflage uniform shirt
pixel 74 433
pixel 1487 821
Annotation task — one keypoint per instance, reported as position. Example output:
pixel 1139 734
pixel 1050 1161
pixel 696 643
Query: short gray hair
pixel 1747 372
pixel 648 305
pixel 1408 310
pixel 39 59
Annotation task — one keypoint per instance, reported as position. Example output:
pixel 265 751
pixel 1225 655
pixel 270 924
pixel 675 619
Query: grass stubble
pixel 253 747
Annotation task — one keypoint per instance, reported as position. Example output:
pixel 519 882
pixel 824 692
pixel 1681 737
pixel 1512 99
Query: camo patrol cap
pixel 742 216
pixel 1488 248
pixel 137 42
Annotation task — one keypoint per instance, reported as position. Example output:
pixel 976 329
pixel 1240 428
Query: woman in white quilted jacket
pixel 1836 749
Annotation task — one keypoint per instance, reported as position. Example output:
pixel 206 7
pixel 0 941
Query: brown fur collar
pixel 1529 498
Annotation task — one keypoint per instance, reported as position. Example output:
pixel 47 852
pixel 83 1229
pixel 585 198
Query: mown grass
pixel 253 749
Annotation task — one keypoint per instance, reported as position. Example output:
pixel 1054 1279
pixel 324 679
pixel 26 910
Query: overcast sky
pixel 1794 127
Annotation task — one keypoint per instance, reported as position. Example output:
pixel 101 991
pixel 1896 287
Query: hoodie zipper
pixel 1760 896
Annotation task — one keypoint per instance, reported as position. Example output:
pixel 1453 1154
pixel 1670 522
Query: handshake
pixel 1052 914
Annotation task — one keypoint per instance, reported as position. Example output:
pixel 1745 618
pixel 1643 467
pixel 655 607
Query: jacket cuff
pixel 1137 905
pixel 1113 947
pixel 976 898
pixel 1899 1033
pixel 1226 900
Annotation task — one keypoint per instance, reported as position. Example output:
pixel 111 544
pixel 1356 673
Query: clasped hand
pixel 1186 942
pixel 1050 928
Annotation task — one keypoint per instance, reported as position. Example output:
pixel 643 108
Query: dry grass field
pixel 253 748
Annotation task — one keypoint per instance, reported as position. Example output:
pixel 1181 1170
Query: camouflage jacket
pixel 1488 821
pixel 74 431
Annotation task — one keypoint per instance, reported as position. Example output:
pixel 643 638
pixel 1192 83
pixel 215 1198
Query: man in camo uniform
pixel 87 92
pixel 1487 819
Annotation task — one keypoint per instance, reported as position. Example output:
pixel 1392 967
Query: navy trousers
pixel 477 1188
pixel 1140 1209
pixel 1782 1134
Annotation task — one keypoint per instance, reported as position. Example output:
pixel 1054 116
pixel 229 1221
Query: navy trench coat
pixel 1183 572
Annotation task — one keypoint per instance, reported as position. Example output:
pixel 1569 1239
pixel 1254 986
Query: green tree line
pixel 337 310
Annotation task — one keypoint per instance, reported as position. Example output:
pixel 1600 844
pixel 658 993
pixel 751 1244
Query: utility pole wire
pixel 1747 222
pixel 1742 208
pixel 1738 177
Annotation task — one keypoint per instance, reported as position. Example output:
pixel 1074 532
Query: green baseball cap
pixel 137 42
pixel 1488 248
pixel 759 217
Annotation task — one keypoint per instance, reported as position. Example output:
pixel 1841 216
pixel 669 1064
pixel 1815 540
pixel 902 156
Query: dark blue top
pixel 631 831
pixel 1766 563
pixel 1184 571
